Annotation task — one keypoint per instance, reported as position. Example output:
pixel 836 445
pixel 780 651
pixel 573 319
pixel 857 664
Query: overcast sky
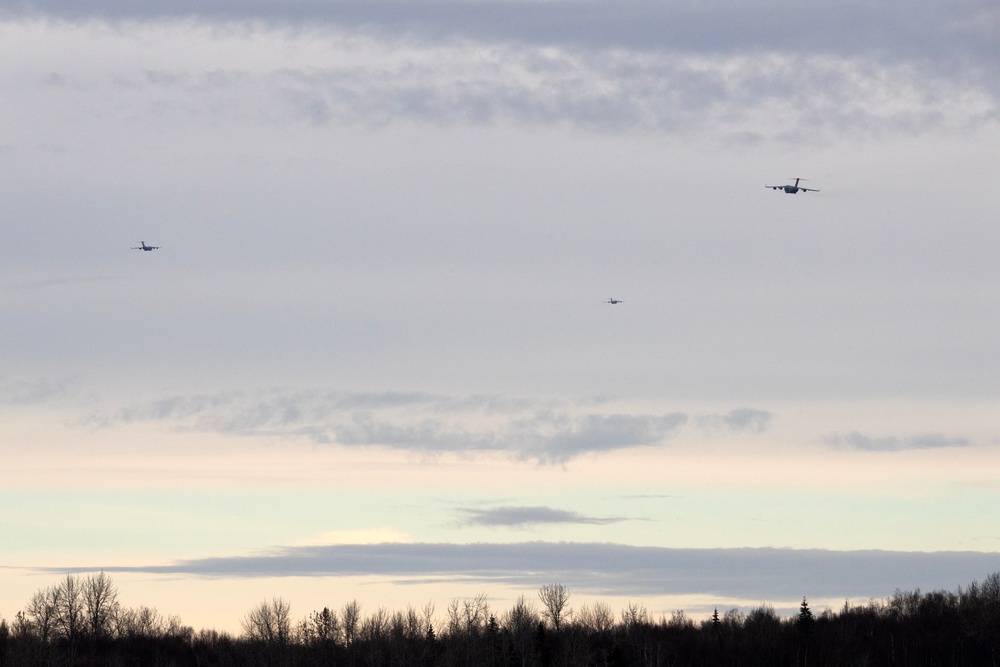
pixel 375 331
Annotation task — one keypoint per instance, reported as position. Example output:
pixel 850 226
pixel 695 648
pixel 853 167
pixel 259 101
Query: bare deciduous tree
pixel 454 617
pixel 42 612
pixel 521 622
pixel 413 626
pixel 144 622
pixel 428 619
pixel 554 598
pixel 375 627
pixel 269 622
pixel 350 617
pixel 634 616
pixel 600 618
pixel 69 610
pixel 322 627
pixel 100 600
pixel 475 611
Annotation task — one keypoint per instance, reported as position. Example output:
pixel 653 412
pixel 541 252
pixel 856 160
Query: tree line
pixel 79 621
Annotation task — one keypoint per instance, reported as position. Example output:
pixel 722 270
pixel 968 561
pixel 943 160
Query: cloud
pixel 28 392
pixel 546 437
pixel 610 569
pixel 740 420
pixel 919 27
pixel 860 441
pixel 601 433
pixel 527 516
pixel 530 429
pixel 265 410
pixel 605 90
pixel 672 67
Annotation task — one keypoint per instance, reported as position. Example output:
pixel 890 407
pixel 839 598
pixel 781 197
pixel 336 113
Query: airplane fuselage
pixel 792 188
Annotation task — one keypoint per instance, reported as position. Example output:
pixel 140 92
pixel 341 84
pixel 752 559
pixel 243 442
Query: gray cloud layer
pixel 529 516
pixel 613 569
pixel 27 392
pixel 532 429
pixel 529 429
pixel 856 440
pixel 823 68
pixel 922 28
pixel 739 420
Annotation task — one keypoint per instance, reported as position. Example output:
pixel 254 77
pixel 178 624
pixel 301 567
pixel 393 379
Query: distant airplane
pixel 792 189
pixel 142 246
pixel 613 301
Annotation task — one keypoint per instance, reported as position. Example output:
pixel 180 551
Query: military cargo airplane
pixel 792 189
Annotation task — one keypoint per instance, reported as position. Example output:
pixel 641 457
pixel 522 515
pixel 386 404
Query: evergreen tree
pixel 805 623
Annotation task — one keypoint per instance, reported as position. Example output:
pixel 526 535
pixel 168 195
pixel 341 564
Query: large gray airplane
pixel 792 189
pixel 142 246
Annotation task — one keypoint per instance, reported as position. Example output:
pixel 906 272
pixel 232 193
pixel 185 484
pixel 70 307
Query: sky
pixel 372 357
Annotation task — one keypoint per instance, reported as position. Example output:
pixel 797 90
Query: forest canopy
pixel 79 620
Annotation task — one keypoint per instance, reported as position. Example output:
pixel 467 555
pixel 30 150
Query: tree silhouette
pixel 350 617
pixel 100 601
pixel 805 622
pixel 80 622
pixel 69 608
pixel 554 598
pixel 42 612
pixel 269 622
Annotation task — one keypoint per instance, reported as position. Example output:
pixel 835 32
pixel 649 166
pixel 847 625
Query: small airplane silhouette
pixel 613 301
pixel 792 189
pixel 142 246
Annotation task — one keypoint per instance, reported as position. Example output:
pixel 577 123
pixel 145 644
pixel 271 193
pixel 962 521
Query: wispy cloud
pixel 27 392
pixel 517 517
pixel 267 410
pixel 595 433
pixel 529 429
pixel 549 437
pixel 860 441
pixel 610 569
pixel 672 67
pixel 919 27
pixel 605 90
pixel 740 420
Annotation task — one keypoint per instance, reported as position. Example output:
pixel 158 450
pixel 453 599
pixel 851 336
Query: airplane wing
pixel 808 189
